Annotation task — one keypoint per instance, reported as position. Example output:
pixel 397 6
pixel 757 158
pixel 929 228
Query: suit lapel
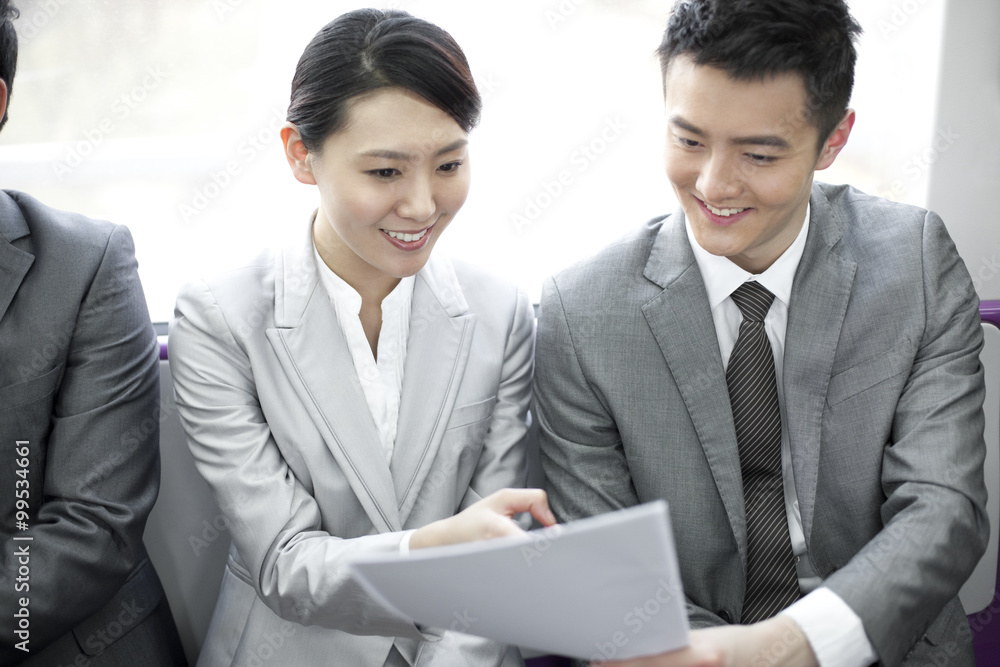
pixel 313 351
pixel 437 352
pixel 820 293
pixel 14 262
pixel 682 324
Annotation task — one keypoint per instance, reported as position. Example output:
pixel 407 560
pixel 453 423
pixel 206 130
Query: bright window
pixel 163 116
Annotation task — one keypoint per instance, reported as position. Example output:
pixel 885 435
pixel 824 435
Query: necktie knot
pixel 753 300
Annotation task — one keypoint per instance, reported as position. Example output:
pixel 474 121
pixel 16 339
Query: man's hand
pixel 776 641
pixel 490 517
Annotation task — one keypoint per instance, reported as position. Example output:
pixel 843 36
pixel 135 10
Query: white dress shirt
pixel 382 380
pixel 833 629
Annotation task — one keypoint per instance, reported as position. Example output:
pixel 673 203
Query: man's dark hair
pixel 8 50
pixel 369 49
pixel 754 39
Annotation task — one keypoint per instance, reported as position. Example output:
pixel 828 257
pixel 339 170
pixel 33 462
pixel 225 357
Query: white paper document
pixel 596 589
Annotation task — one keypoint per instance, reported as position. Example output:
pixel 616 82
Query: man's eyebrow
pixel 684 125
pixel 410 157
pixel 771 140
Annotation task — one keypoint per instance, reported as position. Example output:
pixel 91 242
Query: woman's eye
pixel 384 173
pixel 450 167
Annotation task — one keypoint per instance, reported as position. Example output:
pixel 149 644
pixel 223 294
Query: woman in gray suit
pixel 354 395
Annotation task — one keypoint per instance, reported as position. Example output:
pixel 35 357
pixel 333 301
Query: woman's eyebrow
pixel 389 154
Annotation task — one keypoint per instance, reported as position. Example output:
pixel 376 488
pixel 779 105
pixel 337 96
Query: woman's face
pixel 390 181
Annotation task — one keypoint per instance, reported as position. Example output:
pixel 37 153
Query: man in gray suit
pixel 866 403
pixel 79 394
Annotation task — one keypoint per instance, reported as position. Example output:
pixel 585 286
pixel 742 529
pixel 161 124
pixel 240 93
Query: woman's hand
pixel 490 517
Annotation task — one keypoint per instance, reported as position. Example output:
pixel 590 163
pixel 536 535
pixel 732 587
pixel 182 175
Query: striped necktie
pixel 771 581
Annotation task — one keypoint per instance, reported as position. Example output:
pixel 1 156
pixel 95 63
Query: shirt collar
pixel 721 276
pixel 341 292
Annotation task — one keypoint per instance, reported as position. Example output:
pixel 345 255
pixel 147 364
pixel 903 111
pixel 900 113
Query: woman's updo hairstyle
pixel 368 49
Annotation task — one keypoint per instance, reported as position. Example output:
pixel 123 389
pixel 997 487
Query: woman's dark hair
pixel 368 49
pixel 753 39
pixel 8 50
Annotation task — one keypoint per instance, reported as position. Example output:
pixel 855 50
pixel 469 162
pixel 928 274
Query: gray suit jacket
pixel 883 393
pixel 79 381
pixel 279 427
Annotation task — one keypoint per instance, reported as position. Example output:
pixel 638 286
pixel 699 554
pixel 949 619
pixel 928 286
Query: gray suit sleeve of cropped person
pixel 101 459
pixel 586 472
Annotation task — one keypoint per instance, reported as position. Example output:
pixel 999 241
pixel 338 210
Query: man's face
pixel 740 156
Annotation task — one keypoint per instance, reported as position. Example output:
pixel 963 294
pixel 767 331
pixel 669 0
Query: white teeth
pixel 724 212
pixel 406 238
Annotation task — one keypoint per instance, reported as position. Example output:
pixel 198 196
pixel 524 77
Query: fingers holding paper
pixel 493 516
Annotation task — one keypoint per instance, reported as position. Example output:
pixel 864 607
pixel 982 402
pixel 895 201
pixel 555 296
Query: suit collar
pixel 681 322
pixel 14 262
pixel 310 345
pixel 722 276
pixel 816 313
pixel 441 330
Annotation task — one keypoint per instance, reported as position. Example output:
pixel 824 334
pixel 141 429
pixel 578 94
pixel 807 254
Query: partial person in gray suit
pixel 79 426
pixel 875 338
pixel 354 394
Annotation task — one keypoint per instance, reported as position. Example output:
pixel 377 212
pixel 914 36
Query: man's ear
pixel 297 154
pixel 836 142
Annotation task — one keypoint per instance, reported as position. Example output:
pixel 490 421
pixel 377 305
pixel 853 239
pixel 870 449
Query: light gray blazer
pixel 883 392
pixel 278 425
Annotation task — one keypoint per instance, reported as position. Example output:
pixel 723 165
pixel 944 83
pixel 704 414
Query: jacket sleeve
pixel 586 471
pixel 95 459
pixel 935 527
pixel 299 570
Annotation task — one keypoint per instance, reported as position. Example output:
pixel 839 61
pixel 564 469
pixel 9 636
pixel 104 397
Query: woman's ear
pixel 297 154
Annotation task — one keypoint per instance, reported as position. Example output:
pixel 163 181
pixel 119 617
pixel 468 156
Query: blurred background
pixel 164 116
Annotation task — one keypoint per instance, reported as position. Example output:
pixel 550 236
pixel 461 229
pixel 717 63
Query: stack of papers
pixel 601 588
